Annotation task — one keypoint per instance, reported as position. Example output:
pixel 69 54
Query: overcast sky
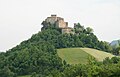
pixel 19 19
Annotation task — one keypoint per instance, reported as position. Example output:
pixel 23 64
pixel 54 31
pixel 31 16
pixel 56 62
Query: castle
pixel 60 23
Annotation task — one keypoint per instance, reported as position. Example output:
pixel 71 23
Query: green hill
pixel 38 57
pixel 80 55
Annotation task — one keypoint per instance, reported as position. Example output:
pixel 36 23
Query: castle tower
pixel 51 19
pixel 59 22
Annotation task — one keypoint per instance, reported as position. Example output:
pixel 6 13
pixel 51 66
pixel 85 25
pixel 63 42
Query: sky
pixel 20 19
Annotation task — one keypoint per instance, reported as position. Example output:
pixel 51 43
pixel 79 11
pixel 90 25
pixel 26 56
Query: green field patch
pixel 99 55
pixel 81 55
pixel 73 55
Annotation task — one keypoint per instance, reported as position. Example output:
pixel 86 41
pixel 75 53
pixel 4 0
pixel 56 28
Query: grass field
pixel 73 55
pixel 99 55
pixel 80 55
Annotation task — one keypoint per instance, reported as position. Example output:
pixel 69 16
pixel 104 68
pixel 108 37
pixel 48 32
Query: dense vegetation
pixel 38 57
pixel 83 37
pixel 107 68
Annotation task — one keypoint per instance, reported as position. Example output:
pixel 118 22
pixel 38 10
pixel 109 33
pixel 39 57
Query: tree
pixel 6 72
pixel 115 60
pixel 117 51
pixel 119 42
pixel 89 30
pixel 78 28
pixel 34 74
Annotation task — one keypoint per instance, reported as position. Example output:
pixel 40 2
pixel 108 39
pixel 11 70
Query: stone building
pixel 60 23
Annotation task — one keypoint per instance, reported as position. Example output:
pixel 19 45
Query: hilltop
pixel 115 43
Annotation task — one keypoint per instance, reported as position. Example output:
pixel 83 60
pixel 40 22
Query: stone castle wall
pixel 59 22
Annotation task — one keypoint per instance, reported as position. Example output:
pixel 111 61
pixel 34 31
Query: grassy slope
pixel 99 55
pixel 73 55
pixel 80 55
